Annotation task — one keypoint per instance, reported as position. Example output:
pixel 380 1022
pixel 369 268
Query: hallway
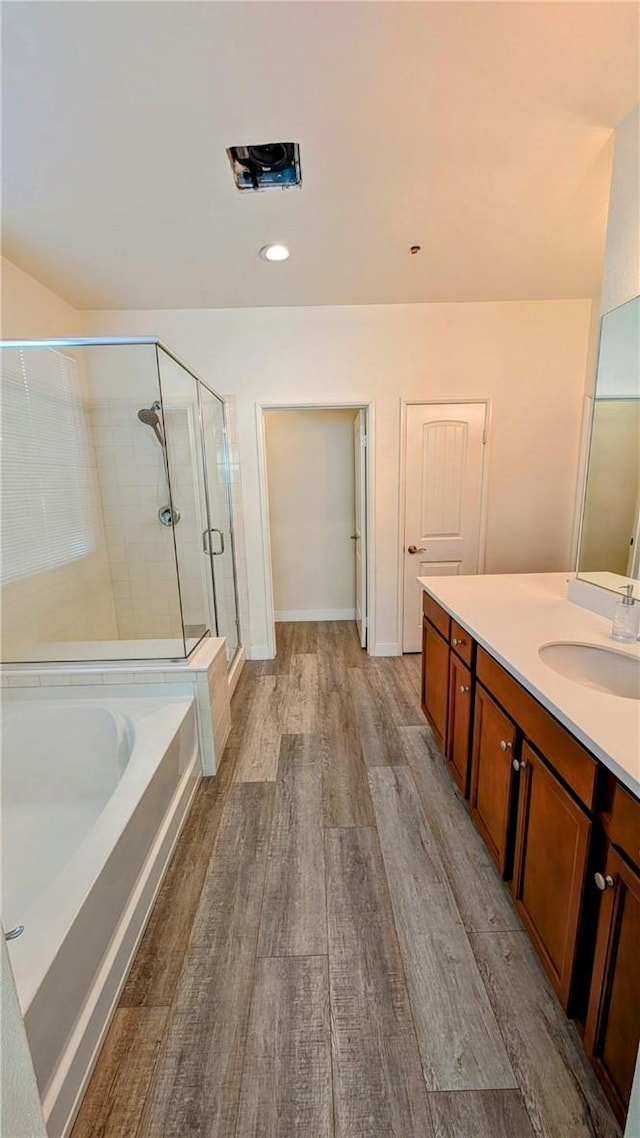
pixel 332 951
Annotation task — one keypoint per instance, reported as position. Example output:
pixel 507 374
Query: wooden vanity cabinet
pixel 492 777
pixel 548 813
pixel 612 1029
pixel 459 721
pixel 448 654
pixel 613 1017
pixel 550 865
pixel 435 680
pixel 436 628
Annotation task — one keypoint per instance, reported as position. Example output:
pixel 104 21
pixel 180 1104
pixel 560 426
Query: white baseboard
pixel 260 652
pixel 315 614
pixel 382 649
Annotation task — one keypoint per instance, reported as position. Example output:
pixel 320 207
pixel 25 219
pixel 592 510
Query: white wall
pixel 527 358
pixel 30 311
pixel 310 463
pixel 621 279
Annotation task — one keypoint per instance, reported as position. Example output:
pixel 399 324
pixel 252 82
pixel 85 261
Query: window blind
pixel 45 463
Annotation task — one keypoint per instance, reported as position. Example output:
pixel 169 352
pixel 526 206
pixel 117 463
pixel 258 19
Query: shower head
pixel 167 515
pixel 149 416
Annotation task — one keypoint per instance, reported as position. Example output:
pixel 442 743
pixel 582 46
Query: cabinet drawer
pixel 436 614
pixel 550 866
pixel 461 642
pixel 625 823
pixel 569 758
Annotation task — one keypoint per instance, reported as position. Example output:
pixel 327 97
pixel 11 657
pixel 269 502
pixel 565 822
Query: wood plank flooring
pixel 332 954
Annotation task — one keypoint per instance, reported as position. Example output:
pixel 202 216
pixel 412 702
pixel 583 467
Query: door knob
pixel 464 689
pixel 414 549
pixel 355 536
pixel 603 882
pixel 519 764
pixel 505 746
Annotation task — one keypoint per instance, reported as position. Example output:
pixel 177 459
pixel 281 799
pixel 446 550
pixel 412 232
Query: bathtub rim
pixel 57 909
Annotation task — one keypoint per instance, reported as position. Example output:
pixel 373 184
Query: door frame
pixel 482 534
pixel 369 408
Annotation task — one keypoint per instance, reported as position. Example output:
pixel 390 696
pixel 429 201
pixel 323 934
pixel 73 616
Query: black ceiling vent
pixel 269 166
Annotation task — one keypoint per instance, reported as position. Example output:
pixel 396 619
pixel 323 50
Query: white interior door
pixel 443 479
pixel 359 534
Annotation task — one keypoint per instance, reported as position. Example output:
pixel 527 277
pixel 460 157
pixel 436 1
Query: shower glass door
pixel 218 539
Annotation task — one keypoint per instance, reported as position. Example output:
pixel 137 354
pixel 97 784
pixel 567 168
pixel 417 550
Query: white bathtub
pixel 93 796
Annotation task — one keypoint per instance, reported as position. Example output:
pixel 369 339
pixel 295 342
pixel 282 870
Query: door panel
pixel 181 423
pixel 435 680
pixel 217 542
pixel 360 535
pixel 458 733
pixel 443 478
pixel 613 1018
pixel 492 774
pixel 550 865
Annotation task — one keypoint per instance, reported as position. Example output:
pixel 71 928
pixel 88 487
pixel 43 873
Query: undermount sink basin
pixel 602 668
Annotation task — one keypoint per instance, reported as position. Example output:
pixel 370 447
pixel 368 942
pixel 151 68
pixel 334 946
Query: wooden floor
pixel 332 952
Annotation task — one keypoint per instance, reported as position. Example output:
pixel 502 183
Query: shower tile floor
pixel 332 952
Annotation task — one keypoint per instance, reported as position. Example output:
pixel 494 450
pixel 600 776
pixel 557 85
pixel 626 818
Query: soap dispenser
pixel 626 617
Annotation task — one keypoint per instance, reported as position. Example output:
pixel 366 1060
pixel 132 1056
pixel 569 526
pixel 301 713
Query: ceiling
pixel 480 131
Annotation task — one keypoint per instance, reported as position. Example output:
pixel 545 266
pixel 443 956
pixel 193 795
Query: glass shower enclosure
pixel 116 504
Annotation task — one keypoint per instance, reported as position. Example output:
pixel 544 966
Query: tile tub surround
pixel 512 616
pixel 203 675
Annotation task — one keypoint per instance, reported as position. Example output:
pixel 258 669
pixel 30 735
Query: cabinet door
pixel 435 680
pixel 613 1017
pixel 458 732
pixel 552 845
pixel 492 776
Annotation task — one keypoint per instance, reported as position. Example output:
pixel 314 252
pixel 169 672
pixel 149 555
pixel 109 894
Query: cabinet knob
pixel 457 643
pixel 519 764
pixel 464 689
pixel 505 746
pixel 603 882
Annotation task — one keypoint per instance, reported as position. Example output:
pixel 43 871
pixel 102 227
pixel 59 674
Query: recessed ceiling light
pixel 274 253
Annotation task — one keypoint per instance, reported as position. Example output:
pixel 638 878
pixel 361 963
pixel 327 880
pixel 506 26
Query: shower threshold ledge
pixel 158 650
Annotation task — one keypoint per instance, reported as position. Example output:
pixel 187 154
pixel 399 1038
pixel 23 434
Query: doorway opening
pixel 316 508
pixel 445 484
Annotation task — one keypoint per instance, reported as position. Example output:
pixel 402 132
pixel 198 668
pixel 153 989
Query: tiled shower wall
pixel 141 550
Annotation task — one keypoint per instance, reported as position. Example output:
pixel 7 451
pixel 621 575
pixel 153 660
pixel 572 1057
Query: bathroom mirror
pixel 610 536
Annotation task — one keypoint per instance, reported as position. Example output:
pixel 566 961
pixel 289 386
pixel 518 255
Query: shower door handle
pixel 217 552
pixel 206 544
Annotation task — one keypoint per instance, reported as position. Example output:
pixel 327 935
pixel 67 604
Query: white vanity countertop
pixel 512 616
